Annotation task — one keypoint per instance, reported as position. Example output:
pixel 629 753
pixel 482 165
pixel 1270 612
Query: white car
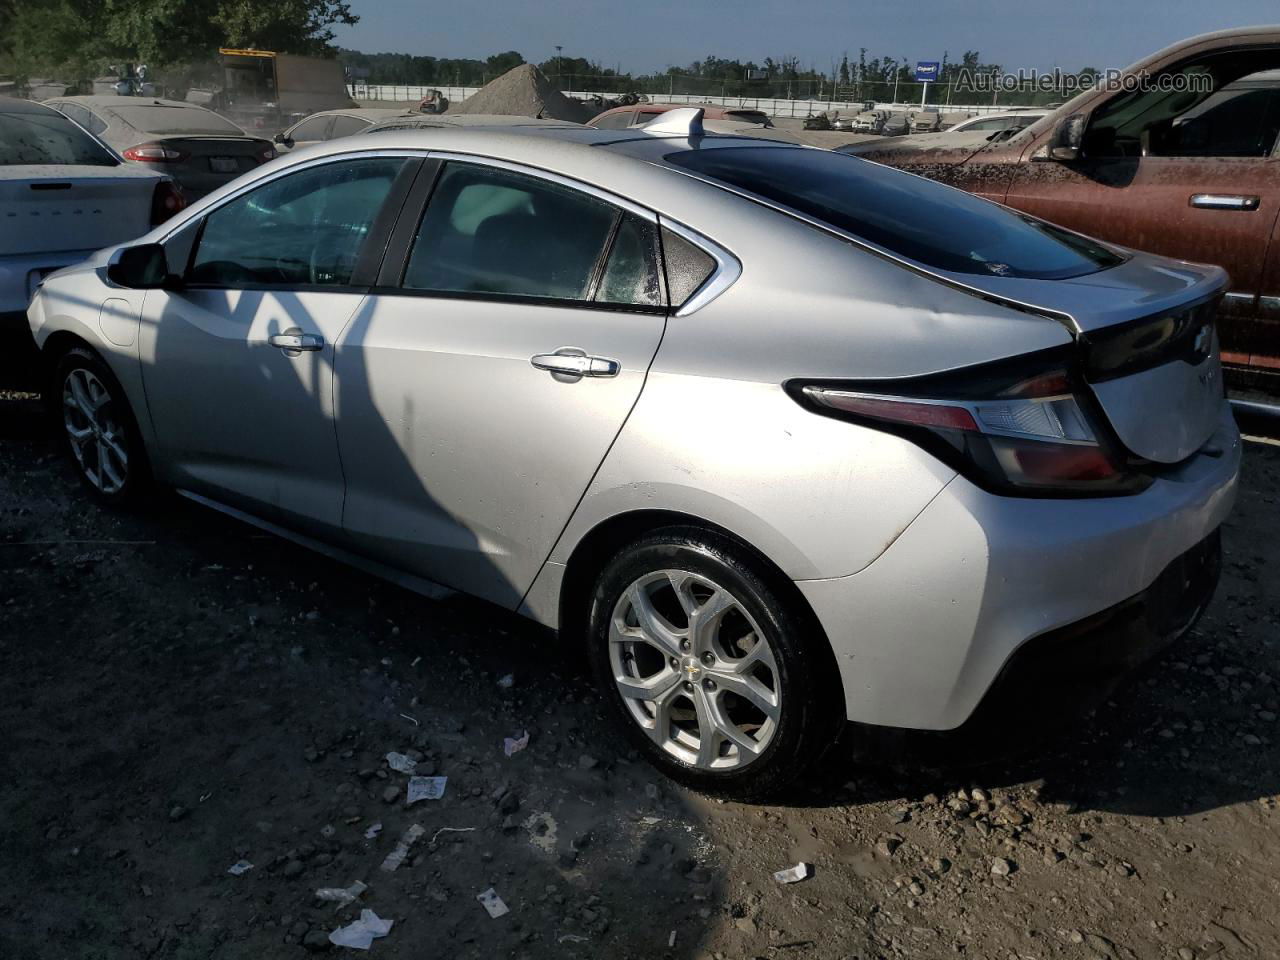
pixel 63 195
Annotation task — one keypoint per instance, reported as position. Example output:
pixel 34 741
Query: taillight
pixel 1019 432
pixel 167 200
pixel 154 153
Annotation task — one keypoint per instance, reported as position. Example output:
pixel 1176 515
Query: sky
pixel 651 35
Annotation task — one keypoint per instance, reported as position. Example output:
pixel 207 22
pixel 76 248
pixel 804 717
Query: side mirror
pixel 1067 141
pixel 282 139
pixel 143 267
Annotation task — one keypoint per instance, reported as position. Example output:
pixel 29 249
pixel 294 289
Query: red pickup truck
pixel 1183 164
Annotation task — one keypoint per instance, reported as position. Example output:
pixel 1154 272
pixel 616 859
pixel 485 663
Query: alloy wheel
pixel 96 436
pixel 694 669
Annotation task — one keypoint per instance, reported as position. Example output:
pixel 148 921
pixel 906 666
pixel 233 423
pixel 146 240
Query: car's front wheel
pixel 715 675
pixel 97 428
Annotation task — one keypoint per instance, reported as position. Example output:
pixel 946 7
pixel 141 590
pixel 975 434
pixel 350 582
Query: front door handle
pixel 1224 201
pixel 294 341
pixel 575 364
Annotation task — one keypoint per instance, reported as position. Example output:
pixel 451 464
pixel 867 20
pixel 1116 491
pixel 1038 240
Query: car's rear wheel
pixel 712 671
pixel 97 428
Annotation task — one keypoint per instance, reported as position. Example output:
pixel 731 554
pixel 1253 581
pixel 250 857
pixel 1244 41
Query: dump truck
pixel 264 90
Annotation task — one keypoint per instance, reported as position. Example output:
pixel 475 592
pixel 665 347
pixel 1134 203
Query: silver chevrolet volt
pixel 781 438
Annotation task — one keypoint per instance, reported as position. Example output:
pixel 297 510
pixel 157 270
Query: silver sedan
pixel 780 437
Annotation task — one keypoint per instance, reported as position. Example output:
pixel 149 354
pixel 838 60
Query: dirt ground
pixel 180 693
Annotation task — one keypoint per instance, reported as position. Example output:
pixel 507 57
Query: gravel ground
pixel 181 693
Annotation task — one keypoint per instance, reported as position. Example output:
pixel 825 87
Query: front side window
pixel 924 221
pixel 47 137
pixel 1229 106
pixel 304 229
pixel 489 231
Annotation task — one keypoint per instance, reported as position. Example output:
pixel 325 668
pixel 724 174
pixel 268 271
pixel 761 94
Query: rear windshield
pixel 151 118
pixel 749 116
pixel 48 138
pixel 919 219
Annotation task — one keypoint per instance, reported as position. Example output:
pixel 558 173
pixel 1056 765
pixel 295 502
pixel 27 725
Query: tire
pixel 773 711
pixel 96 428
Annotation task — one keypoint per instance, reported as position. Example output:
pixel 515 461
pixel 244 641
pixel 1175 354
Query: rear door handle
pixel 295 342
pixel 1224 201
pixel 576 364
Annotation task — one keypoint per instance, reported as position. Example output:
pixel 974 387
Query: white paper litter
pixel 401 763
pixel 342 895
pixel 794 874
pixel 407 840
pixel 513 745
pixel 492 903
pixel 239 867
pixel 361 934
pixel 425 788
pixel 671 940
pixel 507 682
pixel 436 835
pixel 572 938
pixel 373 831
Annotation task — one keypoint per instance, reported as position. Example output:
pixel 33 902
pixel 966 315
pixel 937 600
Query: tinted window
pixel 915 218
pixel 688 267
pixel 83 117
pixel 313 129
pixel 490 231
pixel 301 230
pixel 615 121
pixel 48 138
pixel 1241 122
pixel 346 126
pixel 152 118
pixel 631 274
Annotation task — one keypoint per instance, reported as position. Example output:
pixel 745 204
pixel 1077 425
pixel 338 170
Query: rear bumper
pixel 20 273
pixel 923 633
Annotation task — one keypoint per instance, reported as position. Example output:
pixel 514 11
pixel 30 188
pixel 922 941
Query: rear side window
pixel 918 219
pixel 302 230
pixel 314 129
pixel 615 121
pixel 489 231
pixel 688 266
pixel 346 126
pixel 48 137
pixel 631 272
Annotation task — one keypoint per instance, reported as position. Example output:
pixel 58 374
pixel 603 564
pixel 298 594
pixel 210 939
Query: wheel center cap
pixel 691 668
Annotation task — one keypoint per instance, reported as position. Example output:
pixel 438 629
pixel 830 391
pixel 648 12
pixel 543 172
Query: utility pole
pixel 896 76
pixel 559 67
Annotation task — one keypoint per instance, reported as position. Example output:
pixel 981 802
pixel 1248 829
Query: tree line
pixel 76 40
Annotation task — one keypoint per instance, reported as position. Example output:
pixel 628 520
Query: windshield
pixel 32 138
pixel 153 118
pixel 918 219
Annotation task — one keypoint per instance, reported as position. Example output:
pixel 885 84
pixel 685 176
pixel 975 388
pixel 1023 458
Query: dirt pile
pixel 524 91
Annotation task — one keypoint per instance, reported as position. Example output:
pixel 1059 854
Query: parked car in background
pixel 928 120
pixel 619 118
pixel 564 370
pixel 332 124
pixel 1190 175
pixel 196 147
pixel 63 194
pixel 997 122
pixel 868 121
